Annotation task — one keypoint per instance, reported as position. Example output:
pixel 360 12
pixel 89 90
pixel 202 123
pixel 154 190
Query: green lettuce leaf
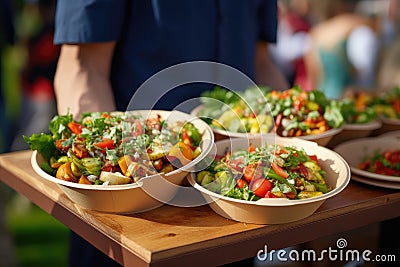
pixel 43 143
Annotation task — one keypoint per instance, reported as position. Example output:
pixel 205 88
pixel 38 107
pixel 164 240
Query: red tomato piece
pixel 106 143
pixel 252 148
pixel 379 165
pixel 396 105
pixel 281 172
pixel 260 187
pixel 314 158
pixel 252 171
pixel 74 127
pixel 364 165
pixel 241 183
pixel 185 138
pixel 269 194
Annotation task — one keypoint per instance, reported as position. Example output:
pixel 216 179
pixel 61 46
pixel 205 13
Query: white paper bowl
pixel 388 125
pixel 321 139
pixel 354 131
pixel 395 134
pixel 355 151
pixel 388 121
pixel 275 210
pixel 149 193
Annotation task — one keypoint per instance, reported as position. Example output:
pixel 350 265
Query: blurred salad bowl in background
pixel 357 107
pixel 373 160
pixel 290 113
pixel 387 106
pixel 307 115
pixel 359 115
pixel 373 157
pixel 121 162
pixel 270 179
pixel 236 114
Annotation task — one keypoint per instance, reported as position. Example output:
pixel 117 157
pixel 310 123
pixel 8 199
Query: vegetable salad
pixel 357 109
pixel 270 171
pixel 299 112
pixel 114 148
pixel 241 112
pixel 385 163
pixel 294 112
pixel 388 104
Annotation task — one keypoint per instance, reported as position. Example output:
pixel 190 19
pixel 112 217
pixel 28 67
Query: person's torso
pixel 337 70
pixel 160 34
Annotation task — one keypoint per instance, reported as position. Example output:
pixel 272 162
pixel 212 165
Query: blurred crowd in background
pixel 29 60
pixel 333 46
pixel 340 45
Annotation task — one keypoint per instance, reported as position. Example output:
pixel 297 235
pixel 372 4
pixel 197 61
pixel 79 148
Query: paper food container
pixel 148 193
pixel 220 134
pixel 276 210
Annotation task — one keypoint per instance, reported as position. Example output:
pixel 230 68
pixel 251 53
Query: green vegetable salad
pixel 114 148
pixel 289 113
pixel 298 113
pixel 241 112
pixel 388 104
pixel 270 171
pixel 357 109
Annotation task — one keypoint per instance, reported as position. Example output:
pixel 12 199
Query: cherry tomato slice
pixel 106 143
pixel 252 171
pixel 260 187
pixel 241 183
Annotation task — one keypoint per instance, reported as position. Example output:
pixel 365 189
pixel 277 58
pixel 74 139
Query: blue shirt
pixel 153 34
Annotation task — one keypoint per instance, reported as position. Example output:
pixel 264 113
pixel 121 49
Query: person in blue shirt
pixel 111 47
